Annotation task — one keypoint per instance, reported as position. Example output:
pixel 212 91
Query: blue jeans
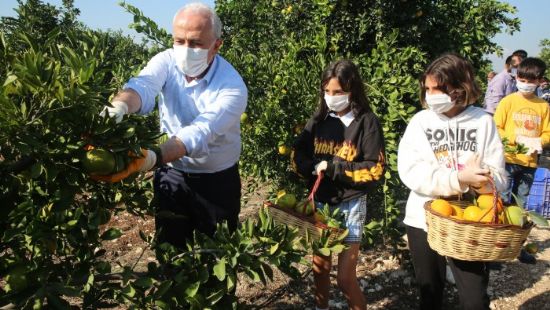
pixel 520 179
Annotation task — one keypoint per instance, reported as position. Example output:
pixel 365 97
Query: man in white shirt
pixel 201 100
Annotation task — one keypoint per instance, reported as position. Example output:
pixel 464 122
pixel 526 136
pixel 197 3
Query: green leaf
pixel 216 296
pixel 163 288
pixel 337 248
pixel 192 289
pixel 274 248
pixel 324 251
pixel 129 291
pixel 10 79
pixel 144 282
pixel 219 269
pixel 111 234
pixel 538 219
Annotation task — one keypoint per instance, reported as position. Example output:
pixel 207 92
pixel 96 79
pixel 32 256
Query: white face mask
pixel 191 61
pixel 526 88
pixel 439 103
pixel 337 103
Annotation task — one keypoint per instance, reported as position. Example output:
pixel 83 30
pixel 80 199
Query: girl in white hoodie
pixel 447 150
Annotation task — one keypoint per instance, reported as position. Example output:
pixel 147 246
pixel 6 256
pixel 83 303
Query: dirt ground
pixel 386 278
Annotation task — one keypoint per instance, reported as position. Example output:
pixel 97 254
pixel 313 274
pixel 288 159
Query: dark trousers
pixel 187 202
pixel 472 278
pixel 520 179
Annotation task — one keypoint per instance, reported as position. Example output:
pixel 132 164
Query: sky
pixel 109 15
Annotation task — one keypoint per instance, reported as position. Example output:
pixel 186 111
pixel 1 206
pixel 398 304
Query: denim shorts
pixel 355 212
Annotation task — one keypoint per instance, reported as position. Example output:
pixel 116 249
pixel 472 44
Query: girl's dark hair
pixel 455 77
pixel 531 68
pixel 347 74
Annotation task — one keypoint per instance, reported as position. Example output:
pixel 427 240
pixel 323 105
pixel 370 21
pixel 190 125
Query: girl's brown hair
pixel 455 77
pixel 347 74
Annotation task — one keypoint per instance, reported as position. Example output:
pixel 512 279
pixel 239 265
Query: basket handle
pixel 494 220
pixel 312 193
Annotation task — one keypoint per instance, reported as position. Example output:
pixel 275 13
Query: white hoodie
pixel 428 161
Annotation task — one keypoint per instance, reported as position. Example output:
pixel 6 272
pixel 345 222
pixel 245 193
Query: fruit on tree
pixel 284 150
pixel 99 161
pixel 244 118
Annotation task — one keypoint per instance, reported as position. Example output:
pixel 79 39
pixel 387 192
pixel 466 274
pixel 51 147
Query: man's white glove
pixel 320 167
pixel 533 144
pixel 118 110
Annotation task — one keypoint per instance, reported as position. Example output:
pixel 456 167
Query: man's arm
pixel 131 98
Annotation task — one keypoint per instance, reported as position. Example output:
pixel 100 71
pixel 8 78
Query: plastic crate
pixel 542 174
pixel 539 198
pixel 543 209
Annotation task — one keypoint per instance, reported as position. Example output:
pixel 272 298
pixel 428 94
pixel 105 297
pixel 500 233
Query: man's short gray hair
pixel 208 11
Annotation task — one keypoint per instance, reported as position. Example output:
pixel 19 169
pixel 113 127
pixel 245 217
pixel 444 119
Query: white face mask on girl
pixel 337 103
pixel 191 61
pixel 439 103
pixel 526 88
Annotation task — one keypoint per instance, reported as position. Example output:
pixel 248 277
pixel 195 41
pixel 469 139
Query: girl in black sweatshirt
pixel 344 142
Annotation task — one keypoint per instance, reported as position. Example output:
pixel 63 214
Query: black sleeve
pixel 302 157
pixel 370 167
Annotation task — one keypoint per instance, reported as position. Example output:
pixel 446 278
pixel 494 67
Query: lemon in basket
pixel 472 213
pixel 458 213
pixel 442 207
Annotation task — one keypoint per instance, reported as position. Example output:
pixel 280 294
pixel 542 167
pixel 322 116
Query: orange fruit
pixel 485 201
pixel 458 213
pixel 284 150
pixel 99 162
pixel 486 215
pixel 442 207
pixel 472 213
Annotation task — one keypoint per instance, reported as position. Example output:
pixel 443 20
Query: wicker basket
pixel 306 224
pixel 471 241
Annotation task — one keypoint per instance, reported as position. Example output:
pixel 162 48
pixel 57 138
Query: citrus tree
pixel 281 46
pixel 56 77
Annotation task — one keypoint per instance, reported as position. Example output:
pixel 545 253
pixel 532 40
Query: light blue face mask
pixel 526 88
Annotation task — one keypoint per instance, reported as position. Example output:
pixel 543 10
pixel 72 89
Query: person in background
pixel 543 91
pixel 490 76
pixel 449 149
pixel 502 84
pixel 524 118
pixel 343 141
pixel 200 99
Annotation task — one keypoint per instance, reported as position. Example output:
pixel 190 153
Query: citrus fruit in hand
pixel 99 162
pixel 442 207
